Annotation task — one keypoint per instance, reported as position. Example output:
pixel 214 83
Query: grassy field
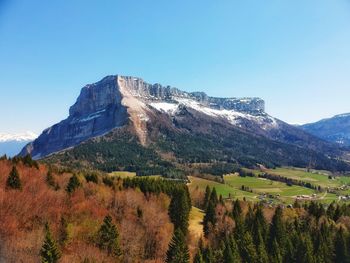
pixel 223 189
pixel 276 192
pixel 125 174
pixel 260 185
pixel 280 191
pixel 122 174
pixel 318 178
pixel 195 226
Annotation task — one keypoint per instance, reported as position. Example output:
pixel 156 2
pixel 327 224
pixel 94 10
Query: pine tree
pixel 249 219
pixel 260 226
pixel 228 255
pixel 108 237
pixel 208 255
pixel 261 250
pixel 275 254
pixel 237 210
pixel 309 250
pixel 178 250
pixel 289 256
pixel 248 252
pixel 341 248
pixel 235 250
pixel 206 197
pixel 214 197
pixel 209 217
pixel 49 252
pixel 277 230
pixel 198 257
pixel 179 210
pixel 73 184
pixel 14 181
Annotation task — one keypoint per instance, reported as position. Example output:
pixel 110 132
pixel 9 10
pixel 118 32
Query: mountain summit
pixel 335 129
pixel 115 100
pixel 120 120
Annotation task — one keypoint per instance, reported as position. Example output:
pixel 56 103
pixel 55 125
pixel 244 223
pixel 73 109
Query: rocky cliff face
pixel 97 110
pixel 152 114
pixel 118 100
pixel 157 92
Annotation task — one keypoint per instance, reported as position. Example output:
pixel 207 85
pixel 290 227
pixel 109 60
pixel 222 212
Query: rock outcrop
pixel 117 100
pixel 97 110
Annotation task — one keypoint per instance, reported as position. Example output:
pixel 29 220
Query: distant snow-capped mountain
pixel 12 143
pixel 19 137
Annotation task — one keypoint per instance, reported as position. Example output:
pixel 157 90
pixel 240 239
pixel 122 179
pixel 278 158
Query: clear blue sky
pixel 295 54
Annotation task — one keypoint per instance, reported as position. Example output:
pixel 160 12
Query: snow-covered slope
pixel 234 117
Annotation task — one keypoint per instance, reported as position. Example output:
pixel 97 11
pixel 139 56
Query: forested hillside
pixel 51 214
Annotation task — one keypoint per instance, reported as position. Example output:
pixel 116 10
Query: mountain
pixel 335 129
pixel 11 144
pixel 125 123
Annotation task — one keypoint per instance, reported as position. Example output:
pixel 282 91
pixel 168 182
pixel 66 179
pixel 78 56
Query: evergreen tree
pixel 248 252
pixel 209 217
pixel 237 210
pixel 277 230
pixel 249 219
pixel 228 255
pixel 260 226
pixel 289 256
pixel 331 210
pixel 73 184
pixel 49 252
pixel 108 237
pixel 178 250
pixel 206 197
pixel 179 210
pixel 198 257
pixel 305 253
pixel 275 254
pixel 235 250
pixel 208 255
pixel 341 248
pixel 261 250
pixel 214 197
pixel 13 181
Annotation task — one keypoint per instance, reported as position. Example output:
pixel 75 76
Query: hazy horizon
pixel 294 55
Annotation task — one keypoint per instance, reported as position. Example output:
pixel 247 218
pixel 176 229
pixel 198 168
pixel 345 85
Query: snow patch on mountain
pixel 18 137
pixel 234 117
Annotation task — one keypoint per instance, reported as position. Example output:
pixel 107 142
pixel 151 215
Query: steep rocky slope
pixel 171 126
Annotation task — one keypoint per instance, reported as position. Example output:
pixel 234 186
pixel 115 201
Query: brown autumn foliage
pixel 142 221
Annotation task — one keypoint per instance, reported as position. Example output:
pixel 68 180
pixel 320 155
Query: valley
pixel 259 189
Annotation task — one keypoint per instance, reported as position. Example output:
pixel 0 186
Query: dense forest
pixel 50 214
pixel 244 232
pixel 170 152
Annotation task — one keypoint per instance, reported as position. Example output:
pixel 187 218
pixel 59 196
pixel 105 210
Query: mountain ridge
pixel 334 129
pixel 164 120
